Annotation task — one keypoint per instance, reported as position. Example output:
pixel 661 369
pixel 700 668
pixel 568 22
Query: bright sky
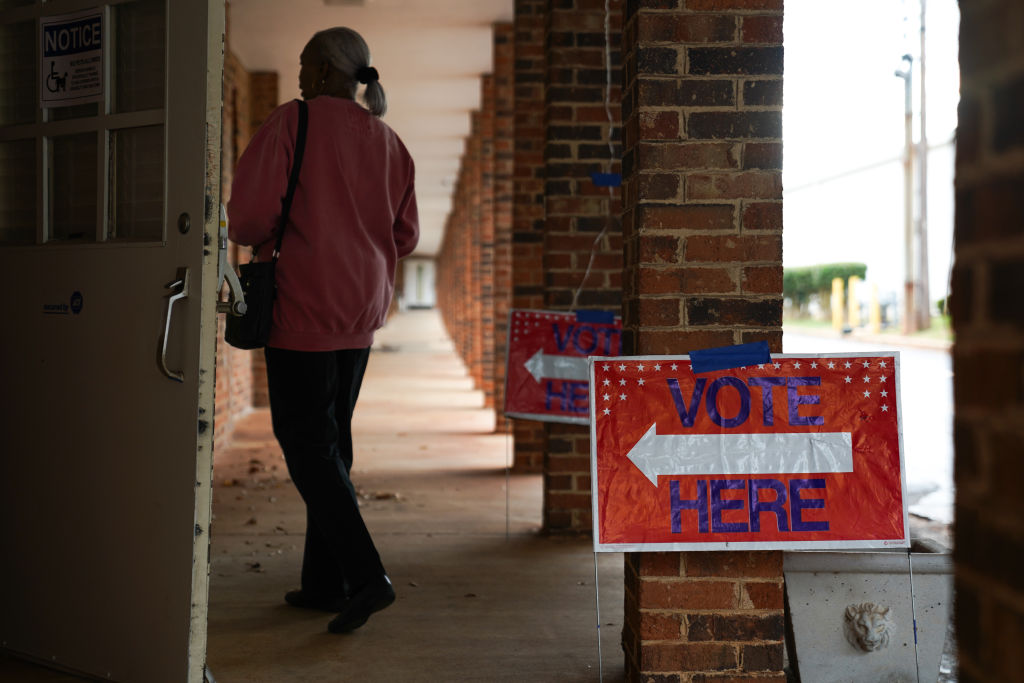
pixel 843 125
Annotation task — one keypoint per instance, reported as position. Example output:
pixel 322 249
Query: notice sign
pixel 546 374
pixel 72 59
pixel 803 452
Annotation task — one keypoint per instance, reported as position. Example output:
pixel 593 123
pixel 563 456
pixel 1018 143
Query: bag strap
pixel 293 179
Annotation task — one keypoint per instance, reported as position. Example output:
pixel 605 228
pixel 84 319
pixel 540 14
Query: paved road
pixel 926 392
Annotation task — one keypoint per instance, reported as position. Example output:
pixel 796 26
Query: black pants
pixel 312 396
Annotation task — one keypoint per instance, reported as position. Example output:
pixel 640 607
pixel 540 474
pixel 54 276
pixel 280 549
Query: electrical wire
pixel 597 608
pixel 508 479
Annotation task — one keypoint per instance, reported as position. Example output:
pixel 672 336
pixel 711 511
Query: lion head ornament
pixel 867 626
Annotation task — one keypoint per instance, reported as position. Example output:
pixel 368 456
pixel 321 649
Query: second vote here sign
pixel 803 452
pixel 546 373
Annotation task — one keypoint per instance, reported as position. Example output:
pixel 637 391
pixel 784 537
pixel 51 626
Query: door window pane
pixel 18 191
pixel 78 111
pixel 137 183
pixel 11 4
pixel 139 48
pixel 72 187
pixel 18 96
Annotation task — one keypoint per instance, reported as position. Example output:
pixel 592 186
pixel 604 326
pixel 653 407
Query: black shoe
pixel 306 600
pixel 371 598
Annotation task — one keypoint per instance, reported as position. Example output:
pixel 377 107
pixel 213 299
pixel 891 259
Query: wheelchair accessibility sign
pixel 72 59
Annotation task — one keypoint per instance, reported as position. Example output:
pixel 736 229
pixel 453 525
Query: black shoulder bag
pixel 252 329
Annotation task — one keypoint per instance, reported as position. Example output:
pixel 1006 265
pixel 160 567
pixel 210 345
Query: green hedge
pixel 800 284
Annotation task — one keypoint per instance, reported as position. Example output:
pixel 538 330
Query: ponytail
pixel 349 58
pixel 374 94
pixel 376 102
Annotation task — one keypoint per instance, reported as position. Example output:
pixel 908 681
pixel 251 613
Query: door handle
pixel 171 300
pixel 235 305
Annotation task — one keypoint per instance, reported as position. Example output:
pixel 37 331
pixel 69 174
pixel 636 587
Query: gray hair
pixel 347 54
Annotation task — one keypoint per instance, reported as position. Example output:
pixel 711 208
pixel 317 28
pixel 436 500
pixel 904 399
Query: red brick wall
pixel 988 356
pixel 528 196
pixel 240 376
pixel 459 259
pixel 702 223
pixel 581 220
pixel 263 99
pixel 474 228
pixel 233 380
pixel 485 269
pixel 504 142
pixel 475 259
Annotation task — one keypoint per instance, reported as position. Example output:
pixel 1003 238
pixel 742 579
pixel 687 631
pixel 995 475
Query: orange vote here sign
pixel 546 371
pixel 803 452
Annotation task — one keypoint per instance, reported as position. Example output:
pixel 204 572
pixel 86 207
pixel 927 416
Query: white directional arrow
pixel 744 454
pixel 557 367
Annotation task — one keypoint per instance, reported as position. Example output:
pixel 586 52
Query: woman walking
pixel 353 216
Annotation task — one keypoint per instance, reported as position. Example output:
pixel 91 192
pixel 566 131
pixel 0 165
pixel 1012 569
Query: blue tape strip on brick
pixel 725 357
pixel 606 179
pixel 595 317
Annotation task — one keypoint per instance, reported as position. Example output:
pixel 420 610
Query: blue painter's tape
pixel 606 179
pixel 726 357
pixel 595 317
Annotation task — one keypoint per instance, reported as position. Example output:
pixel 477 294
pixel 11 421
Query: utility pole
pixel 909 321
pixel 923 303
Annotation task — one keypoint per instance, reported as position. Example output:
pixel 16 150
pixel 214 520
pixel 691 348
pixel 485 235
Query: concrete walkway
pixel 474 604
pixel 482 596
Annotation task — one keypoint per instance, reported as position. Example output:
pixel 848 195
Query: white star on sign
pixel 796 365
pixel 814 364
pixel 640 382
pixel 674 366
pixel 884 393
pixel 760 366
pixel 622 382
pixel 866 364
pixel 866 379
pixel 607 411
pixel 606 367
pixel 848 380
pixel 622 367
pixel 657 367
pixel 885 409
pixel 777 365
pixel 607 382
pixel 847 365
pixel 831 365
pixel 640 367
pixel 867 394
pixel 882 364
pixel 882 378
pixel 622 397
pixel 607 397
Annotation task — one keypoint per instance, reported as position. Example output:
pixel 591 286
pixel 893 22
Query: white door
pixel 108 279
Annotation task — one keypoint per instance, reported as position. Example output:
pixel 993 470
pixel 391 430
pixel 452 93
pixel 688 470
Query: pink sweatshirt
pixel 352 218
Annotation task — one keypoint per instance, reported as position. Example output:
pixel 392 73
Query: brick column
pixel 474 343
pixel 988 355
pixel 528 196
pixel 462 261
pixel 240 375
pixel 582 232
pixel 485 269
pixel 263 99
pixel 233 379
pixel 703 241
pixel 504 162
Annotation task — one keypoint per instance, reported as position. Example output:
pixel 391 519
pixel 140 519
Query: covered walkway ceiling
pixel 430 55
